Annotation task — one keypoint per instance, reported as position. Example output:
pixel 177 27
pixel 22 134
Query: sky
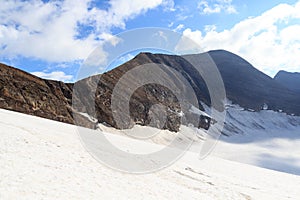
pixel 52 38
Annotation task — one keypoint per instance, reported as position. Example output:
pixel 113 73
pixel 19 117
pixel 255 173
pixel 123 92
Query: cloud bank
pixel 62 30
pixel 270 41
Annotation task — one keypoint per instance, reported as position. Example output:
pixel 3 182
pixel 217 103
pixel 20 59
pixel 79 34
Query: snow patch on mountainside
pixel 246 121
pixel 266 138
pixel 242 121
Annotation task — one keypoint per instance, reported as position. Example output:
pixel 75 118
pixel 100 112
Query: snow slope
pixel 44 159
pixel 266 138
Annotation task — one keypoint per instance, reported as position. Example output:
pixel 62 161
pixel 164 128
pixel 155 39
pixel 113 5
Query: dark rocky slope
pixel 26 93
pixel 23 92
pixel 289 80
pixel 250 88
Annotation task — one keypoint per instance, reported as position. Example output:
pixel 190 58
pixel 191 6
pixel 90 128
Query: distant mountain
pixel 250 88
pixel 289 80
pixel 244 84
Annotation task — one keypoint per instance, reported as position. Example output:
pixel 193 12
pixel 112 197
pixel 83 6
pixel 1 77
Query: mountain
pixel 93 98
pixel 289 80
pixel 244 84
pixel 250 88
pixel 23 92
pixel 26 93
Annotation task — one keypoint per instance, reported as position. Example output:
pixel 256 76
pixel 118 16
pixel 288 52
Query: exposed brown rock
pixel 23 92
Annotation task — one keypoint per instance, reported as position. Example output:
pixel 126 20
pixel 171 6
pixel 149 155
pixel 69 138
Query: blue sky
pixel 51 39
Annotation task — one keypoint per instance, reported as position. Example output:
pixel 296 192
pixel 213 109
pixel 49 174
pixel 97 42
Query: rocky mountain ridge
pixel 289 80
pixel 244 84
pixel 26 93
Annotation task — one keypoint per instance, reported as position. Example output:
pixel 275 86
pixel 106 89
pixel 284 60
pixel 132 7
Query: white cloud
pixel 189 42
pixel 216 6
pixel 49 31
pixel 209 28
pixel 182 16
pixel 109 38
pixel 179 28
pixel 169 5
pixel 56 75
pixel 44 30
pixel 160 35
pixel 121 11
pixel 270 41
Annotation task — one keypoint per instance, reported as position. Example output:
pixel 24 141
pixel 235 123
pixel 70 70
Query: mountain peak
pixel 290 80
pixel 220 51
pixel 283 72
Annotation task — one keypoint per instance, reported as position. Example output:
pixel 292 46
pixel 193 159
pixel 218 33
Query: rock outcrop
pixel 23 92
